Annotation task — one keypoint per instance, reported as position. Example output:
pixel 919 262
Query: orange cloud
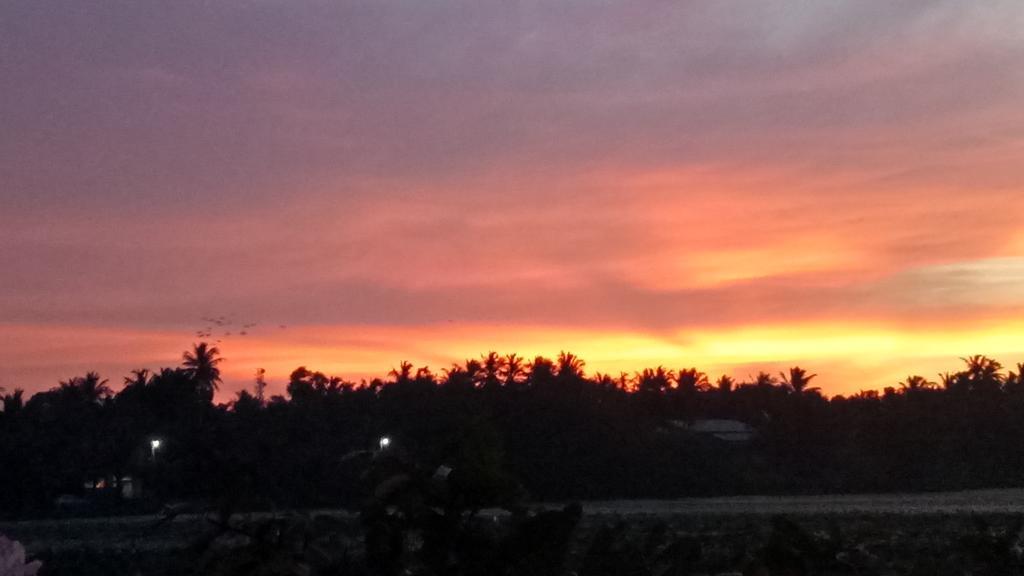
pixel 672 183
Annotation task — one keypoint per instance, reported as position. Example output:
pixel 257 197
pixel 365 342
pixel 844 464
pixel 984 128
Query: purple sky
pixel 716 183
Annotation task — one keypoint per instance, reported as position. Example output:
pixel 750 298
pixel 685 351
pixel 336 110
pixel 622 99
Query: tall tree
pixel 764 380
pixel 798 381
pixel 725 384
pixel 402 374
pixel 513 370
pixel 90 388
pixel 690 380
pixel 1015 380
pixel 913 384
pixel 14 402
pixel 570 366
pixel 541 372
pixel 202 365
pixel 654 381
pixel 948 380
pixel 137 378
pixel 983 373
pixel 492 366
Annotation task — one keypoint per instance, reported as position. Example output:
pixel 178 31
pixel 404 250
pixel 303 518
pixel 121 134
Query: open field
pixel 150 533
pixel 147 532
pixel 1009 501
pixel 908 533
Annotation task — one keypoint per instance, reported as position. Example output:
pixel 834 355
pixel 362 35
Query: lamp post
pixel 385 441
pixel 154 445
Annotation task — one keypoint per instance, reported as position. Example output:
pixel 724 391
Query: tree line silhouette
pixel 507 428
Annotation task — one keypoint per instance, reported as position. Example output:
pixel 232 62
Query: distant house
pixel 127 487
pixel 722 429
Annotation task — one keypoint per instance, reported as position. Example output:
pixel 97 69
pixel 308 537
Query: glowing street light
pixel 385 441
pixel 154 445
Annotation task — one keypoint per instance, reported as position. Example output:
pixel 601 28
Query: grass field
pixel 936 533
pixel 969 502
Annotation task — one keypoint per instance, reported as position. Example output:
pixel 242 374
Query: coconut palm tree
pixel 915 383
pixel 983 373
pixel 655 381
pixel 475 372
pixel 602 380
pixel 725 384
pixel 89 388
pixel 137 378
pixel 948 380
pixel 403 373
pixel 455 377
pixel 202 365
pixel 513 370
pixel 570 366
pixel 424 375
pixel 492 365
pixel 541 371
pixel 691 380
pixel 798 380
pixel 764 380
pixel 1015 380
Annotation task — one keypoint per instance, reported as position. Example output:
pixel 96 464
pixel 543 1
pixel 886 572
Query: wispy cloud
pixel 622 169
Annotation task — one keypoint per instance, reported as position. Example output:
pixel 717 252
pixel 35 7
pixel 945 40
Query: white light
pixel 154 444
pixel 385 441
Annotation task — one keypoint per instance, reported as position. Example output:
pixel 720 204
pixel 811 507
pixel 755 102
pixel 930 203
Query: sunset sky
pixel 729 185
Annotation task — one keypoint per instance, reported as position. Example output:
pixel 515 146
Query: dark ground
pixel 948 533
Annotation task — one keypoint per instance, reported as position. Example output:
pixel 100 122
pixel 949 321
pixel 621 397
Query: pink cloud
pixel 629 169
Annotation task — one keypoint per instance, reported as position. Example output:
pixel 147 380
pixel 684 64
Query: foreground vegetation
pixel 507 431
pixel 414 521
pixel 597 545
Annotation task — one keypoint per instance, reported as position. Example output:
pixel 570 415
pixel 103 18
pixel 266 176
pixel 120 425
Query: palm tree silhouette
pixel 1015 380
pixel 798 380
pixel 570 366
pixel 915 383
pixel 492 365
pixel 949 381
pixel 602 380
pixel 691 380
pixel 541 371
pixel 138 378
pixel 403 373
pixel 983 373
pixel 474 372
pixel 201 364
pixel 89 388
pixel 764 380
pixel 455 377
pixel 725 384
pixel 513 370
pixel 425 375
pixel 653 381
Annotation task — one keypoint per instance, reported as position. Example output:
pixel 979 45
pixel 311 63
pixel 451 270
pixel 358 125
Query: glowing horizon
pixel 848 358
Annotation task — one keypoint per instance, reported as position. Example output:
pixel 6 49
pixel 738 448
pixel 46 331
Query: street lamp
pixel 154 445
pixel 385 441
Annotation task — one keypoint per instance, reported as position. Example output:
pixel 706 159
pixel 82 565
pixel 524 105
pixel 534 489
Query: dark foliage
pixel 506 429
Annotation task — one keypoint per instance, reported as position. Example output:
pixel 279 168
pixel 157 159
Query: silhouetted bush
pixel 506 428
